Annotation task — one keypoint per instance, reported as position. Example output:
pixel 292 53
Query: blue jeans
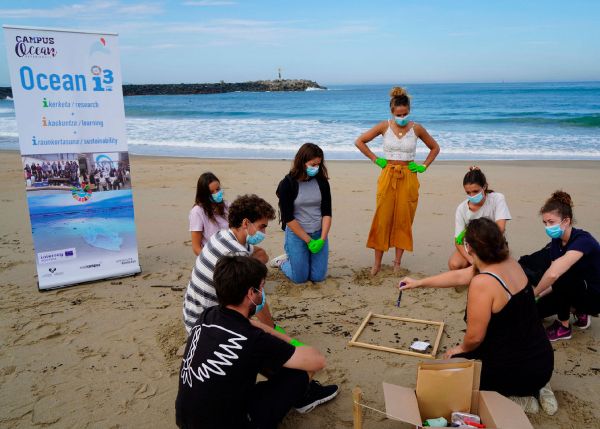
pixel 302 265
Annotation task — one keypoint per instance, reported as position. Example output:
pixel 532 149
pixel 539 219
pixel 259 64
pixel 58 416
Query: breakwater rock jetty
pixel 221 87
pixel 209 88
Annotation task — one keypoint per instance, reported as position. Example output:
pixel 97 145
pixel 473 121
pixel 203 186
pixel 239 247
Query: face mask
pixel 255 238
pixel 554 231
pixel 402 121
pixel 217 197
pixel 476 199
pixel 312 171
pixel 260 306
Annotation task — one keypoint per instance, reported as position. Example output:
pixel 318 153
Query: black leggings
pixel 272 399
pixel 569 291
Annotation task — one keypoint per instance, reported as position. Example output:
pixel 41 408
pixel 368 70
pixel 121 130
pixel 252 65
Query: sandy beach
pixel 104 355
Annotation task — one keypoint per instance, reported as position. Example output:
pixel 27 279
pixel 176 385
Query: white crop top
pixel 400 149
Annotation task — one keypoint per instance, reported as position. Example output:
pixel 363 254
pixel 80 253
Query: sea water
pixel 469 121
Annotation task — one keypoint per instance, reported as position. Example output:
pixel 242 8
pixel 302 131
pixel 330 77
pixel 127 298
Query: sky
pixel 334 42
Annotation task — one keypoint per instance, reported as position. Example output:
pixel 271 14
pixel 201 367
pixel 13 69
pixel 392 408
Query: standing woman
pixel 305 210
pixel 481 202
pixel 398 186
pixel 572 281
pixel 209 213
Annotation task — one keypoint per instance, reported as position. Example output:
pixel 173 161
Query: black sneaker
pixel 316 395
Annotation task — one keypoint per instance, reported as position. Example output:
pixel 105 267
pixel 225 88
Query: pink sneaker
pixel 557 331
pixel 582 321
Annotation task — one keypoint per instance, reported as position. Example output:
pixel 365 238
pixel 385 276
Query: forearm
pixel 270 330
pixel 297 229
pixel 546 281
pixel 433 153
pixel 197 242
pixel 325 226
pixel 362 146
pixel 448 279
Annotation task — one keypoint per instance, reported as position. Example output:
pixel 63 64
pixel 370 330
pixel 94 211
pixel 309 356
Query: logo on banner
pixel 56 256
pixel 83 193
pixel 35 47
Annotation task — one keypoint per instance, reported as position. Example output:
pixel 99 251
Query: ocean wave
pixel 525 118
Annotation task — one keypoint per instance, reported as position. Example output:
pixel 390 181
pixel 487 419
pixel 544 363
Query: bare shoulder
pixel 480 283
pixel 419 129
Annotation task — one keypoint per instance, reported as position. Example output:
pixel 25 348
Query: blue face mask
pixel 402 121
pixel 217 197
pixel 555 231
pixel 260 306
pixel 312 171
pixel 255 238
pixel 476 199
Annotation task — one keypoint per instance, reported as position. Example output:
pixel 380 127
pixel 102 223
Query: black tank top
pixel 515 335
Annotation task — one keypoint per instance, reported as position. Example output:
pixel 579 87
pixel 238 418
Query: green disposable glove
pixel 315 246
pixel 279 329
pixel 382 162
pixel 294 342
pixel 416 168
pixel 460 237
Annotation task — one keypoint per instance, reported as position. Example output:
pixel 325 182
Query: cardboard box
pixel 444 386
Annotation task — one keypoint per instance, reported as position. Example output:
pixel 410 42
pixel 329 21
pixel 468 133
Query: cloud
pixel 87 10
pixel 229 31
pixel 209 3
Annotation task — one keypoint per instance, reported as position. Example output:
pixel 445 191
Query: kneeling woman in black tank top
pixel 503 327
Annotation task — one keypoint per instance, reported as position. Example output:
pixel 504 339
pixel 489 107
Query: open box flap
pixel 500 412
pixel 401 403
pixel 444 387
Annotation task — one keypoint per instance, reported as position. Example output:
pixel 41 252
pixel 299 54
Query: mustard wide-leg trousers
pixel 397 198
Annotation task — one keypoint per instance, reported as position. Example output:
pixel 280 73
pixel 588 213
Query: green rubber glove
pixel 294 342
pixel 417 168
pixel 279 329
pixel 382 162
pixel 315 246
pixel 460 237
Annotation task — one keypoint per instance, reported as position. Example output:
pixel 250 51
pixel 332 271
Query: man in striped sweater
pixel 249 216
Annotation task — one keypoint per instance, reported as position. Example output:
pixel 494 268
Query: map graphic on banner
pixel 70 117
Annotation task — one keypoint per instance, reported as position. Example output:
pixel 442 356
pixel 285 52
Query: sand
pixel 105 354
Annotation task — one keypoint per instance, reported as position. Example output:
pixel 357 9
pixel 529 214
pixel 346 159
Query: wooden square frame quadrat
pixel 355 343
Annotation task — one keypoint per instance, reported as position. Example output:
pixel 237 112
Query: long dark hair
pixel 476 176
pixel 203 196
pixel 307 152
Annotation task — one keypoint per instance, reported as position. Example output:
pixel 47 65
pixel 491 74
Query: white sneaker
pixel 529 404
pixel 278 260
pixel 548 400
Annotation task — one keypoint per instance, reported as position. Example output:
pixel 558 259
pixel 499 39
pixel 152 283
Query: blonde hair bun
pixel 398 92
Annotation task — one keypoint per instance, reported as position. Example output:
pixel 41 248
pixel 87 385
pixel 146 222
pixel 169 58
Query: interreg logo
pixel 35 47
pixel 81 194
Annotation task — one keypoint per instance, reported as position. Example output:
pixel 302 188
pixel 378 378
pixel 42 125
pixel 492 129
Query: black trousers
pixel 272 399
pixel 569 291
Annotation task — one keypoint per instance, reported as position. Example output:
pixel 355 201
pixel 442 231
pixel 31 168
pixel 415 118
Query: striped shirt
pixel 200 293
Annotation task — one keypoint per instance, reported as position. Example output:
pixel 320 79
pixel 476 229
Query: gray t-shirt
pixel 307 206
